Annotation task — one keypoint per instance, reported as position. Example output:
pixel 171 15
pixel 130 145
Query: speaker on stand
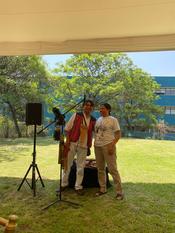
pixel 34 114
pixel 33 117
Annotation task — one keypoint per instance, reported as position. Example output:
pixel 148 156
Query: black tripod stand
pixel 62 162
pixel 34 168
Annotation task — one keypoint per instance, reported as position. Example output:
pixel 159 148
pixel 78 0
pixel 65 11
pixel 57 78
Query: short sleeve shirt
pixel 105 129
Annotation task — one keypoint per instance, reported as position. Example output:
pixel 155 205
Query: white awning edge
pixel 122 44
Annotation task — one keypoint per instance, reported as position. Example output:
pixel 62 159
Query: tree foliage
pixel 22 79
pixel 109 78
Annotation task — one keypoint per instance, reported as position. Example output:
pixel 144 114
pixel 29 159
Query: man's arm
pixel 111 146
pixel 117 136
pixel 70 123
pixel 68 127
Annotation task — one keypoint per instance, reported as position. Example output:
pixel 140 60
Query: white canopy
pixel 77 26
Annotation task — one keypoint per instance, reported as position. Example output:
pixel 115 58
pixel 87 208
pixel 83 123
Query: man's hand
pixel 111 148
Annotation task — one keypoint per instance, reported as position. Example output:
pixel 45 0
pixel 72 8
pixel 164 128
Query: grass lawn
pixel 147 169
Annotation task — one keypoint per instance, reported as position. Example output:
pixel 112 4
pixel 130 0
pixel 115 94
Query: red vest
pixel 74 133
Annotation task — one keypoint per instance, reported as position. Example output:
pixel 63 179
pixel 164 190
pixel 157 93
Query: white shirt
pixel 105 129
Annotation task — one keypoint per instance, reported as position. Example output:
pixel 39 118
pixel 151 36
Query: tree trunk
pixel 6 132
pixel 15 120
pixel 128 125
pixel 6 123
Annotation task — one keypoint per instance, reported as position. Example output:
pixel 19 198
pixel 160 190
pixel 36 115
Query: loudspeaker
pixel 33 114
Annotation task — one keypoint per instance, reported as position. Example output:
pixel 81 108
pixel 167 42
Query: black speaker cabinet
pixel 90 175
pixel 33 114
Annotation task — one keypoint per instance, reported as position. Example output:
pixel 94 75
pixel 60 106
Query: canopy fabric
pixel 76 26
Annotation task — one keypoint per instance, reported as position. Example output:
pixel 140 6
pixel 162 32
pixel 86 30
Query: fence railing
pixel 152 135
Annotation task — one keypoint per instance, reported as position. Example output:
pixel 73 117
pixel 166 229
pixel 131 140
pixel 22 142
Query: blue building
pixel 167 98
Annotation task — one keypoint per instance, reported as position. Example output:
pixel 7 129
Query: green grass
pixel 147 170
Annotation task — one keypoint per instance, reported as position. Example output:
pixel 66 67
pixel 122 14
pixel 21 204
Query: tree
pixel 113 78
pixel 135 103
pixel 21 79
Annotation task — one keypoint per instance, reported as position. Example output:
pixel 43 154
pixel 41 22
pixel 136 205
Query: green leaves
pixel 109 78
pixel 22 79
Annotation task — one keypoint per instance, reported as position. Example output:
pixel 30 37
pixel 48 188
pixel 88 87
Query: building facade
pixel 167 98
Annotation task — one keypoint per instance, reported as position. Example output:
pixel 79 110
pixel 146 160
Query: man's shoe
pixel 99 193
pixel 79 192
pixel 120 196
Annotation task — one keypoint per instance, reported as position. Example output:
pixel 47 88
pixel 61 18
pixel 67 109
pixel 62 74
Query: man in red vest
pixel 79 131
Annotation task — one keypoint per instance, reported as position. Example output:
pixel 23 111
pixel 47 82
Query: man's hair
pixel 107 106
pixel 88 101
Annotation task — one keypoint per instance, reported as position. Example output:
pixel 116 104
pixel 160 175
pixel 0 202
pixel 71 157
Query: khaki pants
pixel 103 157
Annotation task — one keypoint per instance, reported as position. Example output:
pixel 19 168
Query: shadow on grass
pixel 130 189
pixel 146 208
pixel 133 191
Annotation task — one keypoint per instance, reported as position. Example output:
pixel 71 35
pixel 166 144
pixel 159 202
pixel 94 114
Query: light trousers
pixel 81 159
pixel 103 158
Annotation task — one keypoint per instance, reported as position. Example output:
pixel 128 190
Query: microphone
pixel 56 112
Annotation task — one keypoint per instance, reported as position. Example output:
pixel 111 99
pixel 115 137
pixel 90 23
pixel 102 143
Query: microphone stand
pixel 61 161
pixel 62 115
pixel 61 123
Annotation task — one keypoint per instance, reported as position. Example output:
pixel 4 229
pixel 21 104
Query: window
pixel 166 91
pixel 170 110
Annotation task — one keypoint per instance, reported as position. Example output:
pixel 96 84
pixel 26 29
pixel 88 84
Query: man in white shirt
pixel 107 134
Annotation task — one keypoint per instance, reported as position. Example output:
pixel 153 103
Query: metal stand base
pixel 59 201
pixel 59 193
pixel 61 162
pixel 34 168
pixel 34 180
